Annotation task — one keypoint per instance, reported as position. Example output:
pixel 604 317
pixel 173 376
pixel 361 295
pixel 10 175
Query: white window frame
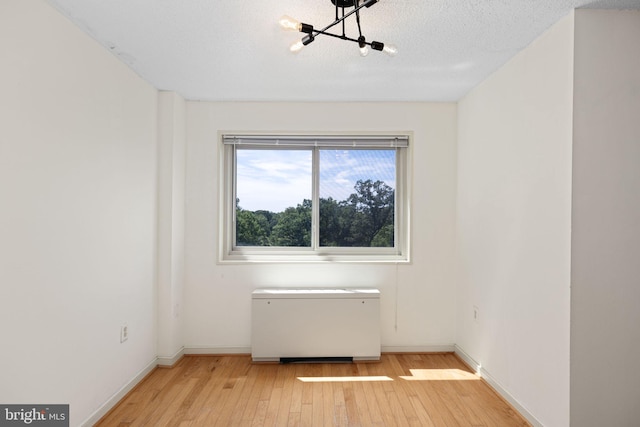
pixel 227 252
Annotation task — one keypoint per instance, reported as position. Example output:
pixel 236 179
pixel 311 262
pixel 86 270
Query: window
pixel 312 198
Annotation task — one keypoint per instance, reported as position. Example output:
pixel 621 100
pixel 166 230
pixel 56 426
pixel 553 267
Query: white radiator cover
pixel 310 323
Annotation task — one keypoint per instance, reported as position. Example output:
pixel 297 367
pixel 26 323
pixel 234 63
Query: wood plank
pixel 259 380
pixel 317 405
pixel 375 413
pixel 284 406
pixel 220 390
pixel 306 414
pixel 327 398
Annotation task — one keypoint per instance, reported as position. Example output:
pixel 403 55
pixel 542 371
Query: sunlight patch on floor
pixel 416 375
pixel 439 375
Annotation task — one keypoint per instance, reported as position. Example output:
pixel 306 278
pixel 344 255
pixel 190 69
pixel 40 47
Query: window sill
pixel 313 258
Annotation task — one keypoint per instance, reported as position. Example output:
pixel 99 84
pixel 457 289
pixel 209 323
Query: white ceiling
pixel 235 51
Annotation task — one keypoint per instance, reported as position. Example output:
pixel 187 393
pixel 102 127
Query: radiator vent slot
pixel 285 360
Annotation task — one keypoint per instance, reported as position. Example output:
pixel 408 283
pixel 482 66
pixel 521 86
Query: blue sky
pixel 276 179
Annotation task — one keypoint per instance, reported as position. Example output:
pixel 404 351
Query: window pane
pixel 273 197
pixel 357 197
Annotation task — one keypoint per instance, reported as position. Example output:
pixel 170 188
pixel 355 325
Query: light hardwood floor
pixel 400 390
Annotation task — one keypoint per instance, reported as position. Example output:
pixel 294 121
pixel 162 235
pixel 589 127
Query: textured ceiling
pixel 235 51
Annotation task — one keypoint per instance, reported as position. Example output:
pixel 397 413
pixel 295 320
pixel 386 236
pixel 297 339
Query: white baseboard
pixel 170 360
pixel 217 350
pixel 484 374
pixel 443 348
pixel 467 359
pixel 113 400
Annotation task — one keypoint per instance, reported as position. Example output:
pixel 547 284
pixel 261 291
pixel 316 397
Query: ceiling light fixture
pixel 289 23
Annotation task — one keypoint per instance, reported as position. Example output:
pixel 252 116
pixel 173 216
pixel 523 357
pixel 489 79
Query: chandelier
pixel 289 23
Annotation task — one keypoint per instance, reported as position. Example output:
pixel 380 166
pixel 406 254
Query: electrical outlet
pixel 476 314
pixel 124 333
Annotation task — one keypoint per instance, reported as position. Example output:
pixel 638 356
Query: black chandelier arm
pixel 366 3
pixel 338 17
pixel 344 27
pixel 358 20
pixel 338 36
pixel 374 44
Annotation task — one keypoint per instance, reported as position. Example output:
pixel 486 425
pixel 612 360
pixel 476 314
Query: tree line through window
pixel 364 219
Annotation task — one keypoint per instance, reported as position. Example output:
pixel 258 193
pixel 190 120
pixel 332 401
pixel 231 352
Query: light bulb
pixel 289 24
pixel 364 49
pixel 390 49
pixel 296 47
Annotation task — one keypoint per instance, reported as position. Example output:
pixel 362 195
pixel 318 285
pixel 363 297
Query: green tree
pixel 249 230
pixel 374 203
pixel 384 237
pixel 335 220
pixel 293 227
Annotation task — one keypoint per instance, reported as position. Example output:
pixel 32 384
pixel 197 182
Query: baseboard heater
pixel 320 324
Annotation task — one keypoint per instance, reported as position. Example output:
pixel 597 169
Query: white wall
pixel 513 226
pixel 218 297
pixel 77 216
pixel 605 285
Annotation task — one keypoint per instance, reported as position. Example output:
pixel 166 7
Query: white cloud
pixel 273 180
